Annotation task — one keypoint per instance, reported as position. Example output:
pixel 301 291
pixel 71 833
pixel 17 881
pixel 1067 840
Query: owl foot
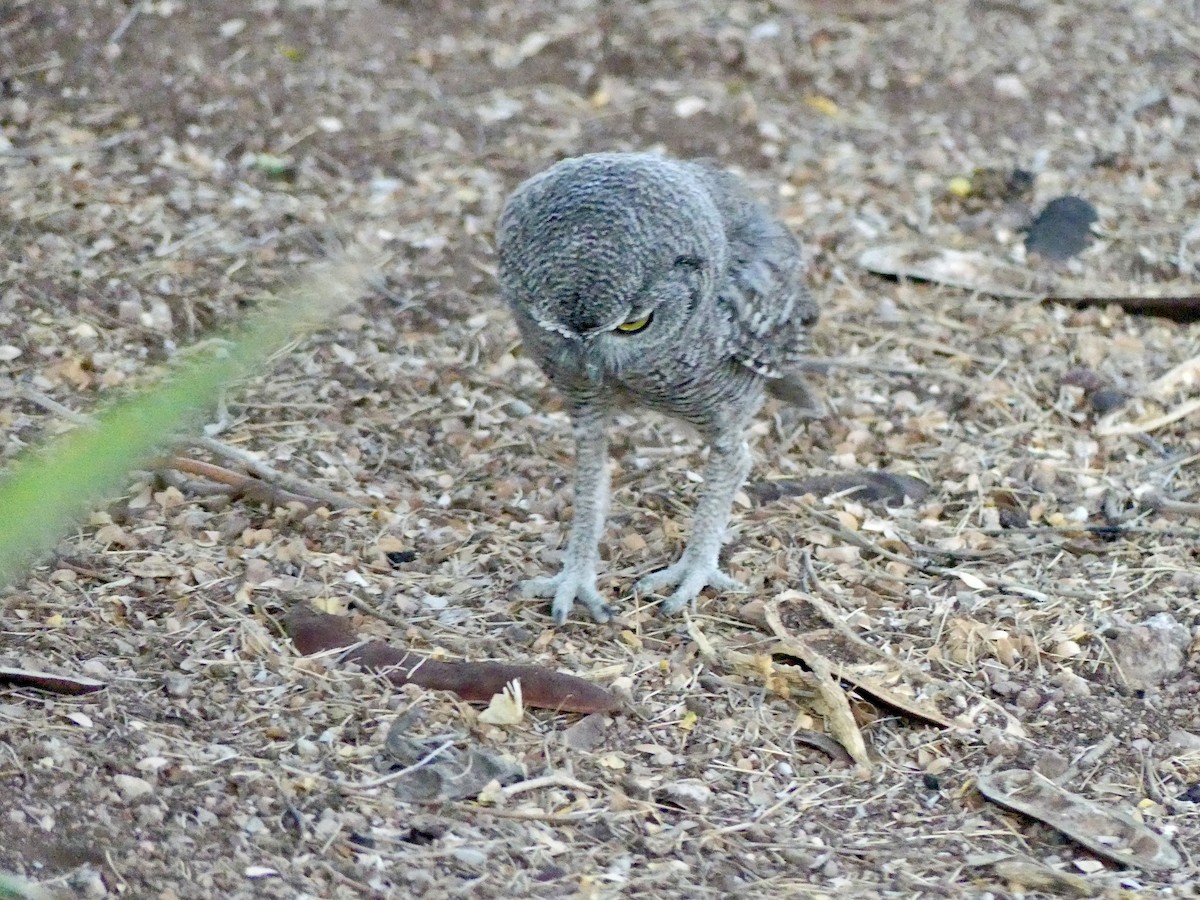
pixel 566 587
pixel 689 577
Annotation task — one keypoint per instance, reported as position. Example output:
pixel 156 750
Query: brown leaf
pixel 476 682
pixel 824 743
pixel 977 271
pixel 1011 513
pixel 1024 873
pixel 71 685
pixel 811 630
pixel 1106 832
pixel 819 689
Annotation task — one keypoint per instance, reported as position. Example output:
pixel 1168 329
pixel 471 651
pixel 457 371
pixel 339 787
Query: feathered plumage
pixel 640 280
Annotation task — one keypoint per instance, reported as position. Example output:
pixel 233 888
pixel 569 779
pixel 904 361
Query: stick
pixel 260 470
pixel 243 485
pixel 993 582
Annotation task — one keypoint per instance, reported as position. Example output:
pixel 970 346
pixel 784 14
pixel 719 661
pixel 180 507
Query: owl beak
pixel 582 359
pixel 592 370
pixel 594 363
pixel 589 362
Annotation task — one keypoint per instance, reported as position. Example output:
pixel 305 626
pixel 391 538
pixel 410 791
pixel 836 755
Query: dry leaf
pixel 974 582
pixel 810 629
pixel 1106 832
pixel 46 681
pixel 477 682
pixel 820 691
pixel 973 270
pixel 506 707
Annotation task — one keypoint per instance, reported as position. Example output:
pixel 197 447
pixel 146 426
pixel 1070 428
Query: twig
pixel 991 581
pixel 1089 757
pixel 349 787
pixel 256 468
pixel 123 26
pixel 532 815
pixel 78 568
pixel 167 249
pixel 556 780
pixel 382 615
pixel 1167 506
pixel 262 470
pixel 51 405
pixel 1074 532
pixel 825 363
pixel 398 774
pixel 65 149
pixel 242 485
pixel 1152 424
pixel 1149 781
pixel 112 867
pixel 342 878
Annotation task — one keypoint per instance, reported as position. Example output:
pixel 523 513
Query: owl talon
pixel 567 587
pixel 689 579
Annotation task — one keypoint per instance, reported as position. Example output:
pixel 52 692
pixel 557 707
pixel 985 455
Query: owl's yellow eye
pixel 633 326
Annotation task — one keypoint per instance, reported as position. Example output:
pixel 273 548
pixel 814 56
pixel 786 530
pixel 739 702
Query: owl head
pixel 612 254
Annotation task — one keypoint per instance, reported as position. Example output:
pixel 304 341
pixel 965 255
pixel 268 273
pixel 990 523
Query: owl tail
pixel 792 390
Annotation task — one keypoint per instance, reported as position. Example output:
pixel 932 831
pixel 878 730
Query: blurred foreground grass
pixel 13 887
pixel 50 487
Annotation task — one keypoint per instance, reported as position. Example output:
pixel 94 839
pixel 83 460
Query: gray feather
pixel 640 280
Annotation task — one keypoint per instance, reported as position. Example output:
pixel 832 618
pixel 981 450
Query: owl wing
pixel 765 298
pixel 771 312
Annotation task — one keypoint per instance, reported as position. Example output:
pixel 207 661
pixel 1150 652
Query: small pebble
pixel 585 735
pixel 397 558
pixel 1184 740
pixel 1029 699
pixel 1151 652
pixel 87 882
pixel 1004 688
pixel 1072 685
pixel 469 856
pixel 886 311
pixel 1105 401
pixel 130 787
pixel 1052 764
pixel 178 686
pixel 150 815
pixel 690 794
pixel 1010 87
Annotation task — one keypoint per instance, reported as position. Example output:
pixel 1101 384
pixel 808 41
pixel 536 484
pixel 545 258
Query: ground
pixel 163 164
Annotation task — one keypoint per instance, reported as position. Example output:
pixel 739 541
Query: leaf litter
pixel 161 177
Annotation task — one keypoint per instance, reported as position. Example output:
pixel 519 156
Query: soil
pixel 165 164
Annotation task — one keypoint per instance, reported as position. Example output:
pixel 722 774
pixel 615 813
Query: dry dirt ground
pixel 162 164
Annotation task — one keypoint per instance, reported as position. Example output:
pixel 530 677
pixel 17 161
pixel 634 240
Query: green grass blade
pixel 48 489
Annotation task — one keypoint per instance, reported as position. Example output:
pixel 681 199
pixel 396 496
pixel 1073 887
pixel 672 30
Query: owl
pixel 640 281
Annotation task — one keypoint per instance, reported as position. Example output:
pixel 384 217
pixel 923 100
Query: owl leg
pixel 577 580
pixel 728 466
